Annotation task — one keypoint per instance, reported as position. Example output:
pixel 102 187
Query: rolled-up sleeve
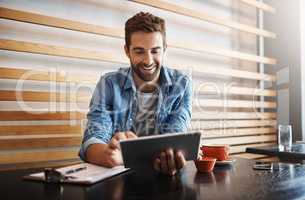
pixel 99 126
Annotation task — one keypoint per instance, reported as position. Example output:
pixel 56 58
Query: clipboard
pixel 90 175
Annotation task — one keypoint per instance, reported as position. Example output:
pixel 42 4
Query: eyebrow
pixel 140 48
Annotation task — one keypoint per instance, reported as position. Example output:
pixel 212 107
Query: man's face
pixel 146 54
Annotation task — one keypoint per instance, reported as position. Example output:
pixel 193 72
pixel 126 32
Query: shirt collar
pixel 129 83
pixel 165 77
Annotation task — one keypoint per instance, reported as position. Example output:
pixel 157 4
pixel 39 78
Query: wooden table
pixel 240 181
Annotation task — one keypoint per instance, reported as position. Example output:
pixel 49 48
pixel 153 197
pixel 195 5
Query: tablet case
pixel 140 152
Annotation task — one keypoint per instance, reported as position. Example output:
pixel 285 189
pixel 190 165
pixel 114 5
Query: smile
pixel 149 68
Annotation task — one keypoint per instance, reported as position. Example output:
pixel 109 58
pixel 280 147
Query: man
pixel 145 99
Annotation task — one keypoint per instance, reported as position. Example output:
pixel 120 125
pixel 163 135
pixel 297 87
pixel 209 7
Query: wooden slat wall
pixel 112 32
pixel 203 16
pixel 229 114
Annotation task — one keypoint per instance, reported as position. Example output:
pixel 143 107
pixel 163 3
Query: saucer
pixel 230 161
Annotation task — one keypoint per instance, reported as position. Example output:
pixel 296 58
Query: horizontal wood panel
pixel 39 129
pixel 210 115
pixel 259 5
pixel 34 18
pixel 203 88
pixel 23 74
pixel 8 73
pixel 226 72
pixel 37 156
pixel 114 32
pixel 242 148
pixel 7 95
pixel 222 52
pixel 26 116
pixel 211 88
pixel 38 142
pixel 85 98
pixel 52 50
pixel 42 164
pixel 241 140
pixel 203 16
pixel 36 75
pixel 201 103
pixel 223 124
pixel 11 73
pixel 236 132
pixel 82 97
pixel 249 156
pixel 201 125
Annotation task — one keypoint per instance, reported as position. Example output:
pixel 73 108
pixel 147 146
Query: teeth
pixel 148 68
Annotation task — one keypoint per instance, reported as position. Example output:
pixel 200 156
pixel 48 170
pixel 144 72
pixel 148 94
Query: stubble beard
pixel 146 77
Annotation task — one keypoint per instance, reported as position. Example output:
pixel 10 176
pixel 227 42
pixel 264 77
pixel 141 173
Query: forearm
pixel 108 155
pixel 96 154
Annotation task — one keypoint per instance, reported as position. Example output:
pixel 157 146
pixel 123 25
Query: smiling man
pixel 145 99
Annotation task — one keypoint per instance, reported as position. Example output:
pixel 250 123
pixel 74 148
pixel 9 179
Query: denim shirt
pixel 113 106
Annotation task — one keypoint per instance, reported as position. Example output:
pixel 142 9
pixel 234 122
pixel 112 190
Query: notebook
pixel 88 175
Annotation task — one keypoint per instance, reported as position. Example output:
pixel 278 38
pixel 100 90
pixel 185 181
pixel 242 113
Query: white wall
pixel 302 22
pixel 286 23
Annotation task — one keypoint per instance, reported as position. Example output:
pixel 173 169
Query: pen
pixel 75 170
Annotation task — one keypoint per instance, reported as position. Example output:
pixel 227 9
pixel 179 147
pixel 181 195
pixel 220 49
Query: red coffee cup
pixel 205 164
pixel 220 152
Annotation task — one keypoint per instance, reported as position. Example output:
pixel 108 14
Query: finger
pixel 115 157
pixel 120 136
pixel 156 164
pixel 171 161
pixel 108 154
pixel 130 134
pixel 114 143
pixel 164 168
pixel 180 160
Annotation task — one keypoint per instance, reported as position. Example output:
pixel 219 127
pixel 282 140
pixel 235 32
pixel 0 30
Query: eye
pixel 155 51
pixel 138 51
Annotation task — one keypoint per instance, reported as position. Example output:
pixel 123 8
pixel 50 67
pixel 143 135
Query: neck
pixel 145 86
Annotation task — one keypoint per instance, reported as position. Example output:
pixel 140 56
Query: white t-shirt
pixel 144 123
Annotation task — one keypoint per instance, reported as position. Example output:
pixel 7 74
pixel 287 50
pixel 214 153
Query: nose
pixel 148 58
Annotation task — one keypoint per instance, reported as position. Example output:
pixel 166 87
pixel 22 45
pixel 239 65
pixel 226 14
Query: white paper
pixel 91 174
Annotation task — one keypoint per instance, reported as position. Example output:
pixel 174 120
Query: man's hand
pixel 169 162
pixel 118 136
pixel 108 155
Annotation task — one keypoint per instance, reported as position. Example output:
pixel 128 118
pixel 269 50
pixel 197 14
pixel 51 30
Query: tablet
pixel 140 152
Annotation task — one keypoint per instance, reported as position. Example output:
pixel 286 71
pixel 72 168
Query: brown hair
pixel 145 22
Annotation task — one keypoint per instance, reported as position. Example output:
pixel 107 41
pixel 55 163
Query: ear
pixel 127 51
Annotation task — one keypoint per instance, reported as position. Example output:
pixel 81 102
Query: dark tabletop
pixel 240 181
pixel 297 151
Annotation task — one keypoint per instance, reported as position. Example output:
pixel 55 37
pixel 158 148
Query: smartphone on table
pixel 263 165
